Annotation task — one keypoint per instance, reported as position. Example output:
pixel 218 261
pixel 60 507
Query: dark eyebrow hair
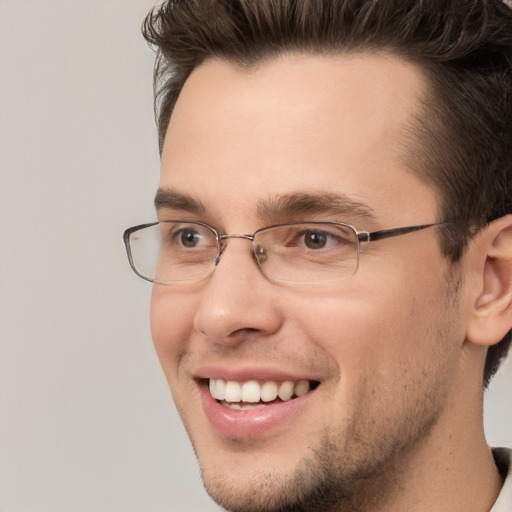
pixel 282 208
pixel 295 204
pixel 167 198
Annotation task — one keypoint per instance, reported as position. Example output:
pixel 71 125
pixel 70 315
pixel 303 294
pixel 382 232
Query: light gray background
pixel 86 420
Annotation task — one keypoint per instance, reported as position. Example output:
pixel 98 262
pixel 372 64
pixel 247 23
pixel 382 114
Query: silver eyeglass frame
pixel 361 236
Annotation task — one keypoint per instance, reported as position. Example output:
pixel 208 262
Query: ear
pixel 491 313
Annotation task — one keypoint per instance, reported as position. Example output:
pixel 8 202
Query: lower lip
pixel 252 422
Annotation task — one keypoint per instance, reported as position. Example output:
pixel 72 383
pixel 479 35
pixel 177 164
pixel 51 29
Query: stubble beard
pixel 361 469
pixel 351 475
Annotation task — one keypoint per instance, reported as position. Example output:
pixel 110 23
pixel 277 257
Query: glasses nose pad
pixel 260 254
pixel 217 258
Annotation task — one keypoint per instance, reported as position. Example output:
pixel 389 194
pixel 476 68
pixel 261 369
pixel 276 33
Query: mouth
pixel 254 394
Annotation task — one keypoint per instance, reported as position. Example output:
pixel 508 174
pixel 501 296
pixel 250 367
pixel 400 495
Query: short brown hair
pixel 462 143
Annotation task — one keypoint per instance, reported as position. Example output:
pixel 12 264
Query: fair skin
pixel 394 355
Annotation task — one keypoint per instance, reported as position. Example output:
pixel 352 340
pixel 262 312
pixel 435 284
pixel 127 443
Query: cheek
pixel 380 331
pixel 171 317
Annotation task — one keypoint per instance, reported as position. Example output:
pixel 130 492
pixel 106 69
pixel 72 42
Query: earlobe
pixel 491 315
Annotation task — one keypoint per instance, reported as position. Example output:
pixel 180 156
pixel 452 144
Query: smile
pixel 254 394
pixel 254 404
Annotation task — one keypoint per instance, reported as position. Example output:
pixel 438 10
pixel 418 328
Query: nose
pixel 238 302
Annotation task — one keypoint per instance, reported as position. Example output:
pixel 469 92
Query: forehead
pixel 298 123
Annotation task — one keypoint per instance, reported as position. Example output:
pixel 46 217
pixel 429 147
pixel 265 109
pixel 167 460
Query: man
pixel 333 258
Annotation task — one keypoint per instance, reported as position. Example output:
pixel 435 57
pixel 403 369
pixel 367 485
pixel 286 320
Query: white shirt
pixel 503 459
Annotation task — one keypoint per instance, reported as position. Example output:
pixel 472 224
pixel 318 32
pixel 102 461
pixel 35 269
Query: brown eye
pixel 189 237
pixel 315 239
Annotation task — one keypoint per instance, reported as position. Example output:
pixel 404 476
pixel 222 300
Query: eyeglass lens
pixel 174 252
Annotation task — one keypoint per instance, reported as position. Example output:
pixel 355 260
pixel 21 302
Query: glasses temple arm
pixel 365 236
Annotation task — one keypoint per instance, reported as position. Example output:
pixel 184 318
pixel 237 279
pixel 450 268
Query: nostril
pixel 246 330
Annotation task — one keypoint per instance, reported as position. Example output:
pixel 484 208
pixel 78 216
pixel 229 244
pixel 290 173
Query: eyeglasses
pixel 181 251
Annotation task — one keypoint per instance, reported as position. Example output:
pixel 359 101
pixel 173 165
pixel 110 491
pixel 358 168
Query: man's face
pixel 296 139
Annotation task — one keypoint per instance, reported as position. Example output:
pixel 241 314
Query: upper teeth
pixel 253 391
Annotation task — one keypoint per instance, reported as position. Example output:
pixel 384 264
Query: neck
pixel 451 469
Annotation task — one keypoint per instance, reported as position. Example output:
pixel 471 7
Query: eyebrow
pixel 173 200
pixel 282 207
pixel 296 204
